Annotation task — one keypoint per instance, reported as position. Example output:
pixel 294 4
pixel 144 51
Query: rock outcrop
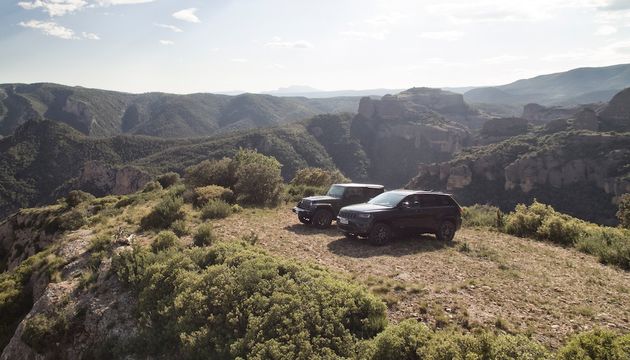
pixel 580 173
pixel 101 179
pixel 400 131
pixel 616 115
pixel 495 130
pixel 541 114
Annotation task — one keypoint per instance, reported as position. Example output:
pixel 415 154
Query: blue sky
pixel 189 46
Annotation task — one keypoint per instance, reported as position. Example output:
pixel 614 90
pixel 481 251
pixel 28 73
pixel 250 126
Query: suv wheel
pixel 304 220
pixel 322 218
pixel 380 234
pixel 446 231
pixel 351 236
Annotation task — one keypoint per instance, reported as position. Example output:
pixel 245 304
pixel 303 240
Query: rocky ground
pixel 481 278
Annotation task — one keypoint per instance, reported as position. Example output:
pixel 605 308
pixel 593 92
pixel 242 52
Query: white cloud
pixel 50 28
pixel 279 43
pixel 606 30
pixel 442 35
pixel 122 2
pixel 90 36
pixel 239 60
pixel 187 15
pixel 54 7
pixel 167 42
pixel 616 5
pixel 173 28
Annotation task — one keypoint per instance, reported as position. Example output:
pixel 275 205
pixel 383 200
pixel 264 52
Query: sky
pixel 186 46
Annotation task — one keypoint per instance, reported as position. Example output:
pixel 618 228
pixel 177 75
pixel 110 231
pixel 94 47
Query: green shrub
pixel 231 301
pixel 152 186
pixel 68 221
pixel 402 341
pixel 211 172
pixel 43 331
pixel 560 229
pixel 180 228
pixel 318 177
pixel 169 179
pixel 164 214
pixel 124 202
pixel 164 240
pixel 76 197
pixel 623 214
pixel 216 209
pixel 259 181
pixel 204 235
pixel 236 209
pixel 100 242
pixel 298 192
pixel 211 192
pixel 525 220
pixel 508 347
pixel 481 215
pixel 596 344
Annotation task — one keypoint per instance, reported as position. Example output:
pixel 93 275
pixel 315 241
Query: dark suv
pixel 321 210
pixel 399 211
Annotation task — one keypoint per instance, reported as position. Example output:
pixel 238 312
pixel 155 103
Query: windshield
pixel 335 191
pixel 389 199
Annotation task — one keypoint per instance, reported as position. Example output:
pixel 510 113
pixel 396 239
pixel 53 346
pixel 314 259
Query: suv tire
pixel 322 218
pixel 380 234
pixel 446 231
pixel 304 220
pixel 351 236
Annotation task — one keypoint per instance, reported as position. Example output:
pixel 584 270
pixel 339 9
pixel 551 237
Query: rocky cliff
pixel 398 132
pixel 616 115
pixel 582 173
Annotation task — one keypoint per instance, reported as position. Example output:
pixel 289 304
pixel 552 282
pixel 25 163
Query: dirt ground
pixel 482 278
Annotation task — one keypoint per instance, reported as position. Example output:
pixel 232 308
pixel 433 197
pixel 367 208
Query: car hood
pixel 365 207
pixel 321 198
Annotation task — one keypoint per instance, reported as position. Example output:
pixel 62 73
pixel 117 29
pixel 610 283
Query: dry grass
pixel 482 279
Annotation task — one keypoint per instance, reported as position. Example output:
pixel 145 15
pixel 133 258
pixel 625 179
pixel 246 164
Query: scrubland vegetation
pixel 200 295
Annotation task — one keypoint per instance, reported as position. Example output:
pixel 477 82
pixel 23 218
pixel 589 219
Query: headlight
pixel 364 216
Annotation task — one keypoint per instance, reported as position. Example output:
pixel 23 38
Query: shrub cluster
pixel 169 179
pixel 540 221
pixel 164 240
pixel 164 213
pixel 216 209
pixel 317 177
pixel 597 344
pixel 204 235
pixel 202 195
pixel 413 340
pixel 482 215
pixel 623 214
pixel 254 178
pixel 232 301
pixel 76 197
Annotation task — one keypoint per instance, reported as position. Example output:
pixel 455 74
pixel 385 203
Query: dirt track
pixel 483 277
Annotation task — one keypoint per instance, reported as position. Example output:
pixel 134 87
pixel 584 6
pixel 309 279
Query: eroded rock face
pixel 594 164
pixel 586 119
pixel 401 131
pixel 616 115
pixel 539 113
pixel 101 179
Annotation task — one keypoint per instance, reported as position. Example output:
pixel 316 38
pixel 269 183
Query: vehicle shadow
pixel 399 246
pixel 301 229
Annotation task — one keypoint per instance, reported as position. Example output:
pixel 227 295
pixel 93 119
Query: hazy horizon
pixel 229 46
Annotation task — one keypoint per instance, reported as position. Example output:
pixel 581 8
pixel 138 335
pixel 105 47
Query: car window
pixel 373 192
pixel 414 201
pixel 389 199
pixel 335 191
pixel 353 193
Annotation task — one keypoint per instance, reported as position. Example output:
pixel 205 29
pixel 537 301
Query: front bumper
pixel 302 212
pixel 354 226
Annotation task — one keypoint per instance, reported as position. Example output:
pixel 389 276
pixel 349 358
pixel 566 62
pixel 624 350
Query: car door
pixel 428 213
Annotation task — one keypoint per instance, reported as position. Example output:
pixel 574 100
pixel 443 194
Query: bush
pixel 169 179
pixel 204 235
pixel 76 197
pixel 596 344
pixel 525 220
pixel 236 209
pixel 623 214
pixel 68 221
pixel 318 178
pixel 211 172
pixel 180 228
pixel 232 301
pixel 298 192
pixel 164 214
pixel 507 347
pixel 481 215
pixel 212 192
pixel 152 186
pixel 259 181
pixel 43 331
pixel 560 229
pixel 401 341
pixel 124 202
pixel 216 209
pixel 164 240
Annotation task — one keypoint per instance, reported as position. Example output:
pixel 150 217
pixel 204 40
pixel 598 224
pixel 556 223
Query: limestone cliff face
pixel 542 114
pixel 101 179
pixel 581 173
pixel 398 132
